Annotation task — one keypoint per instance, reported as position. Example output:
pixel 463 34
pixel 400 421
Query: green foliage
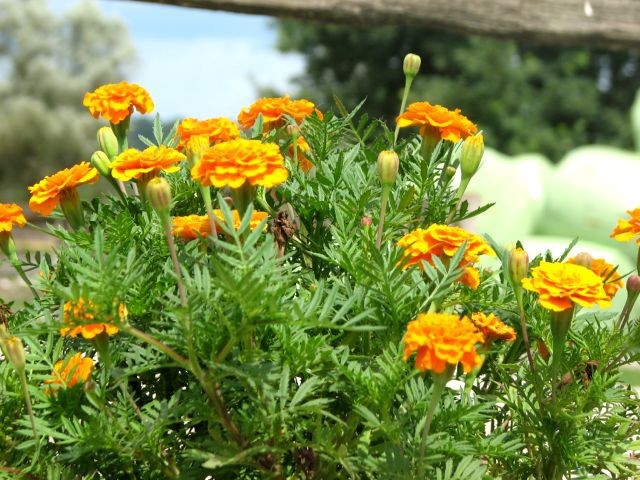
pixel 286 358
pixel 525 98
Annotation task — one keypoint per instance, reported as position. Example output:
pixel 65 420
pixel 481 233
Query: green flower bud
pixel 411 65
pixel 293 130
pixel 449 173
pixel 72 207
pixel 8 246
pixel 100 161
pixel 472 151
pixel 107 142
pixel 158 193
pixel 388 164
pixel 14 350
pixel 518 265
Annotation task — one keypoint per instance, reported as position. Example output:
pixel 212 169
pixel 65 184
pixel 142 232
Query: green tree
pixel 525 98
pixel 47 63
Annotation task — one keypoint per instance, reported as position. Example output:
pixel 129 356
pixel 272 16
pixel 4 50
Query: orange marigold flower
pixel 115 101
pixel 443 241
pixel 441 340
pixel 68 373
pixel 216 129
pixel 492 328
pixel 627 229
pixel 191 227
pixel 238 161
pixel 612 281
pixel 447 124
pixel 10 215
pixel 303 161
pixel 46 194
pixel 137 164
pixel 273 111
pixel 560 285
pixel 84 318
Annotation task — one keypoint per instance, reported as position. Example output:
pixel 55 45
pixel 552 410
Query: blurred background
pixel 563 133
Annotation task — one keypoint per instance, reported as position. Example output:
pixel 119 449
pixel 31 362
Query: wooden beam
pixel 611 24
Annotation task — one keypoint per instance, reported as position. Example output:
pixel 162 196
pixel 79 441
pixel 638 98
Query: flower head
pixel 115 101
pixel 191 227
pixel 273 111
pixel 627 229
pixel 216 129
pixel 85 319
pixel 612 281
pixel 492 328
pixel 238 161
pixel 443 241
pixel 441 340
pixel 46 194
pixel 447 124
pixel 68 373
pixel 560 285
pixel 10 215
pixel 136 164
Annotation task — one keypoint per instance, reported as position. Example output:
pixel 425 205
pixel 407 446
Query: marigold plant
pixel 492 328
pixel 68 373
pixel 448 124
pixel 136 164
pixel 231 164
pixel 85 320
pixel 115 102
pixel 443 241
pixel 442 340
pixel 560 285
pixel 46 194
pixel 273 111
pixel 215 129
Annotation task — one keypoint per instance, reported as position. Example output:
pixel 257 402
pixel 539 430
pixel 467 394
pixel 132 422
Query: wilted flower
pixel 442 340
pixel 560 285
pixel 115 101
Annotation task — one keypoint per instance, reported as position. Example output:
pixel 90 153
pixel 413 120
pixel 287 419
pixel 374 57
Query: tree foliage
pixel 47 63
pixel 526 98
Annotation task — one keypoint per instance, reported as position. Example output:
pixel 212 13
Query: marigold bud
pixel 292 130
pixel 72 208
pixel 366 221
pixel 7 245
pixel 518 265
pixel 470 156
pixel 158 193
pixel 100 161
pixel 633 283
pixel 448 173
pixel 14 350
pixel 107 142
pixel 411 64
pixel 583 259
pixel 388 164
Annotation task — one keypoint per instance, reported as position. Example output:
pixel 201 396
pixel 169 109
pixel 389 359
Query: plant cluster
pixel 327 319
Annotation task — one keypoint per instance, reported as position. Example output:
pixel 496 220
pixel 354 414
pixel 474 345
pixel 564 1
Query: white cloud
pixel 210 77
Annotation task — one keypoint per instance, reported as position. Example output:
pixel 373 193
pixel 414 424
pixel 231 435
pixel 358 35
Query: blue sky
pixel 231 53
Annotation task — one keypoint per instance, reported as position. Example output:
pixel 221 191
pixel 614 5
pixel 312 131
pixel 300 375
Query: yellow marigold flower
pixel 115 101
pixel 441 340
pixel 84 319
pixel 46 194
pixel 232 163
pixel 303 148
pixel 136 164
pixel 273 111
pixel 10 215
pixel 612 281
pixel 492 328
pixel 627 229
pixel 68 373
pixel 443 241
pixel 560 285
pixel 447 124
pixel 216 129
pixel 191 227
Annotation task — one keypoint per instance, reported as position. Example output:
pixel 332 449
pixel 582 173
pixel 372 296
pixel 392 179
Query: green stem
pixel 27 401
pixel 560 323
pixel 166 224
pixel 464 183
pixel 527 344
pixel 383 209
pixel 153 341
pixel 438 388
pixel 15 262
pixel 405 94
pixel 206 197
